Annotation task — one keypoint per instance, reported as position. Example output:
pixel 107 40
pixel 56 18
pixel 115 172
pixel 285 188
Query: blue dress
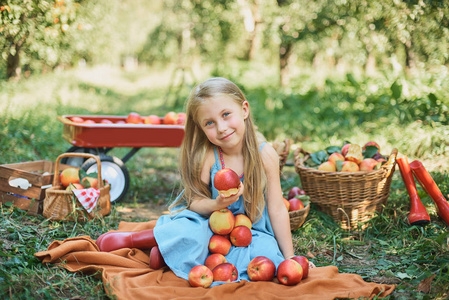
pixel 183 239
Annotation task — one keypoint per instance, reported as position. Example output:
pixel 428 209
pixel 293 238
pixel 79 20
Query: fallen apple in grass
pixel 227 182
pixel 261 268
pixel 225 272
pixel 289 272
pixel 222 221
pixel 219 244
pixel 214 260
pixel 241 236
pixel 295 204
pixel 304 262
pixel 295 191
pixel 242 219
pixel 68 176
pixel 200 276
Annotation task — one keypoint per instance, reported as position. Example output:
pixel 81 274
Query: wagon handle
pixel 56 179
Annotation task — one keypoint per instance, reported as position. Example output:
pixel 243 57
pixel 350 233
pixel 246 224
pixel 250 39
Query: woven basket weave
pixel 351 198
pixel 282 149
pixel 298 217
pixel 60 204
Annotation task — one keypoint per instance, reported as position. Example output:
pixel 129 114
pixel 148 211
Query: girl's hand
pixel 224 202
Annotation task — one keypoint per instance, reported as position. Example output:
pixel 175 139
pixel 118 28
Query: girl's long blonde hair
pixel 195 146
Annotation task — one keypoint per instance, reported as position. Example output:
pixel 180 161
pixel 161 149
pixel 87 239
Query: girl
pixel 219 133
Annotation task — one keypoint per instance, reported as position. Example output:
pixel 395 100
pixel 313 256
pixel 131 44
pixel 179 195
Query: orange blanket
pixel 126 275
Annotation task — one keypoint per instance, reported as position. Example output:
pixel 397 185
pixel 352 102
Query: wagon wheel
pixel 114 171
pixel 77 161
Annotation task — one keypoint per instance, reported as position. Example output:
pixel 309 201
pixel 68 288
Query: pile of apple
pixel 171 118
pixel 230 229
pixel 74 179
pixel 353 158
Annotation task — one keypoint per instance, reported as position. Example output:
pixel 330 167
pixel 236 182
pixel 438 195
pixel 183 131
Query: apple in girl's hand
pixel 241 236
pixel 295 204
pixel 304 262
pixel 261 268
pixel 242 219
pixel 134 118
pixel 287 204
pixel 225 272
pixel 289 272
pixel 219 244
pixel 295 191
pixel 214 260
pixel 221 221
pixel 152 119
pixel 200 276
pixel 227 182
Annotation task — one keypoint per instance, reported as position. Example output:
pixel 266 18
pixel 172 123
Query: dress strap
pixel 261 146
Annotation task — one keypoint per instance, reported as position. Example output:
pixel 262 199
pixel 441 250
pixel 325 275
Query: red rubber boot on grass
pixel 431 189
pixel 114 240
pixel 418 214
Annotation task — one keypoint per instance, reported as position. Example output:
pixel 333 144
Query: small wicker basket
pixel 351 198
pixel 60 204
pixel 282 149
pixel 298 217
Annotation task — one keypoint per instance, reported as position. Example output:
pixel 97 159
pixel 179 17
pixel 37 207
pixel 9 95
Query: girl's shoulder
pixel 269 155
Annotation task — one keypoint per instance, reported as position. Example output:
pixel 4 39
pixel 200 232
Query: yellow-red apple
pixel 304 262
pixel 68 176
pixel 225 272
pixel 241 236
pixel 200 276
pixel 242 219
pixel 181 120
pixel 88 182
pixel 74 186
pixel 77 119
pixel 334 157
pixel 344 149
pixel 287 204
pixel 227 182
pixel 295 204
pixel 170 118
pixel 214 260
pixel 222 221
pixel 372 143
pixel 327 166
pixel 349 166
pixel 368 164
pixel 289 272
pixel 354 154
pixel 261 268
pixel 152 119
pixel 134 118
pixel 219 244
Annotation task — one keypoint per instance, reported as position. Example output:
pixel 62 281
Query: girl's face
pixel 223 120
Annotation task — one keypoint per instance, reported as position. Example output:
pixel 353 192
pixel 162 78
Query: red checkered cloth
pixel 87 197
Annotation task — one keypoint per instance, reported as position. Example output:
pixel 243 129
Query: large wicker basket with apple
pixel 61 204
pixel 351 198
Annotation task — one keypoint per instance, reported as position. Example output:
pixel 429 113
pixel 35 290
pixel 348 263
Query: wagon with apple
pixel 98 134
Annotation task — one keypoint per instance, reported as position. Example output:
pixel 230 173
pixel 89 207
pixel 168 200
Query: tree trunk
pixel 285 52
pixel 13 63
pixel 409 56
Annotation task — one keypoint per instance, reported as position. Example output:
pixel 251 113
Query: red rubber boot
pixel 418 214
pixel 431 189
pixel 114 240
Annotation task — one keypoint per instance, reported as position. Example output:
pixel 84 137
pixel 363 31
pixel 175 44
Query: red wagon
pixel 99 138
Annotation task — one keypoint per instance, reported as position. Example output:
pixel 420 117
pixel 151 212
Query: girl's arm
pixel 205 206
pixel 277 211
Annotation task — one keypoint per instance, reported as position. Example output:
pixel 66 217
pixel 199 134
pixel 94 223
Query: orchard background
pixel 319 73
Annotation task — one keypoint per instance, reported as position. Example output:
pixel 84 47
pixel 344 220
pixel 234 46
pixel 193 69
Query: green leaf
pixel 370 151
pixel 333 149
pixel 319 157
pixel 396 90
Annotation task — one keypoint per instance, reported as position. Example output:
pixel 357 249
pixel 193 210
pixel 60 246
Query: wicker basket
pixel 60 204
pixel 282 149
pixel 351 198
pixel 298 217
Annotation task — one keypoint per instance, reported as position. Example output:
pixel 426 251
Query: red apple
pixel 74 186
pixel 214 260
pixel 219 244
pixel 368 164
pixel 261 268
pixel 225 272
pixel 349 166
pixel 221 221
pixel 89 122
pixel 295 191
pixel 68 176
pixel 181 118
pixel 295 204
pixel 200 276
pixel 289 272
pixel 106 121
pixel 152 119
pixel 242 219
pixel 334 157
pixel 170 118
pixel 241 236
pixel 304 262
pixel 77 119
pixel 287 204
pixel 344 149
pixel 88 182
pixel 372 143
pixel 134 118
pixel 227 182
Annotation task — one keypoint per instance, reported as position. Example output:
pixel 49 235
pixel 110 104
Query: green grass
pixel 388 251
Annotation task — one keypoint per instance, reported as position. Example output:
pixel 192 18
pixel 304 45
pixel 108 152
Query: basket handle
pixel 56 179
pixel 392 159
